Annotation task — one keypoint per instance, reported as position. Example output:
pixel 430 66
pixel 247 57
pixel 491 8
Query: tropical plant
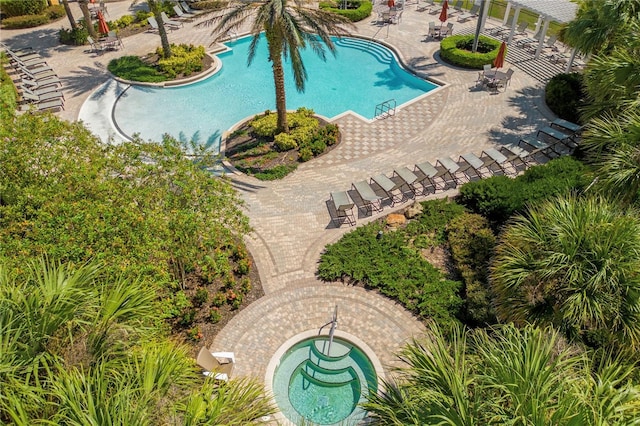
pixel 504 375
pixel 289 26
pixel 155 6
pixel 86 15
pixel 572 262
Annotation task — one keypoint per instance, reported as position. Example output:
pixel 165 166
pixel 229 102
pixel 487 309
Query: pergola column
pixel 516 15
pixel 506 14
pixel 545 27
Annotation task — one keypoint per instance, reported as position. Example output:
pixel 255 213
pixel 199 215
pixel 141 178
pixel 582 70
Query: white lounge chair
pixel 370 200
pixel 470 14
pixel 43 106
pixel 344 208
pixel 218 365
pixel 181 14
pixel 389 187
pixel 188 9
pixel 170 22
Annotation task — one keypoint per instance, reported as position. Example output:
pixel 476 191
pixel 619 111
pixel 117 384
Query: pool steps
pixel 381 53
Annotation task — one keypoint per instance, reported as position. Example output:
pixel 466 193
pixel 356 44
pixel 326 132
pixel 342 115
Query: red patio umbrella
pixel 103 28
pixel 498 62
pixel 444 13
pixel 391 3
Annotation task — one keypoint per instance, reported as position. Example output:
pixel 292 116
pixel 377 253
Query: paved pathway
pixel 290 217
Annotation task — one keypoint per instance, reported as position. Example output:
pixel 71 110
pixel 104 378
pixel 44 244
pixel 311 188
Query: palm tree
pixel 572 262
pixel 156 8
pixel 84 7
pixel 612 144
pixel 289 27
pixel 67 10
pixel 505 375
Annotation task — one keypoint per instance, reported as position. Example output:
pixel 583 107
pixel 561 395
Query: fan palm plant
pixel 289 27
pixel 572 262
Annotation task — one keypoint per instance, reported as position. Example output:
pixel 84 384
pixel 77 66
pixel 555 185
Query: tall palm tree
pixel 572 262
pixel 289 26
pixel 84 7
pixel 67 10
pixel 156 8
pixel 505 375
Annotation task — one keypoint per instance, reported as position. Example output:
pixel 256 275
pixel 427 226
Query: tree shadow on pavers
pixel 44 41
pixel 244 186
pixel 85 78
pixel 423 64
pixel 524 101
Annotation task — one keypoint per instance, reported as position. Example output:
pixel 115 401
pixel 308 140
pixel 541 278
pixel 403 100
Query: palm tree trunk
pixel 281 99
pixel 164 40
pixel 67 9
pixel 84 7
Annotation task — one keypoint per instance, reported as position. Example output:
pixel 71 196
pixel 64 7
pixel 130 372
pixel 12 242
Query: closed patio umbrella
pixel 103 28
pixel 498 62
pixel 444 12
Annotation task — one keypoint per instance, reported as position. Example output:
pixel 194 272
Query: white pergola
pixel 561 11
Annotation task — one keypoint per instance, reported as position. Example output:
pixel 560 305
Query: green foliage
pixel 356 10
pixel 265 125
pixel 74 37
pixel 564 95
pixel 142 15
pixel 395 269
pixel 277 172
pixel 25 21
pixel 134 69
pixel 55 12
pixel 8 96
pixel 13 8
pixel 472 242
pixel 201 297
pixel 305 154
pixel 123 22
pixel 185 60
pixel 436 214
pixel 499 197
pixel 214 315
pixel 456 50
pixel 285 142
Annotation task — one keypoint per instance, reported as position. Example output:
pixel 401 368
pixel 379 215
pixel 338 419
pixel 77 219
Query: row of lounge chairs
pixel 182 12
pixel 558 138
pixel 38 85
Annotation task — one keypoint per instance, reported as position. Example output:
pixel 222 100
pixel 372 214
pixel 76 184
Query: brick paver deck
pixel 290 217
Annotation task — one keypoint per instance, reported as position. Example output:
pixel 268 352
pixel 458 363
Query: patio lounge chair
pixel 370 200
pixel 40 83
pixel 516 156
pixel 344 208
pixel 42 106
pixel 496 31
pixel 188 9
pixel 493 161
pixel 447 169
pixel 427 174
pixel 31 97
pixel 457 8
pixel 534 147
pixel 392 189
pixel 524 42
pixel 170 22
pixel 470 14
pixel 427 5
pixel 572 129
pixel 408 178
pixel 469 167
pixel 181 14
pixel 218 365
pixel 521 30
pixel 38 90
pixel 154 24
pixel 557 137
pixel 35 74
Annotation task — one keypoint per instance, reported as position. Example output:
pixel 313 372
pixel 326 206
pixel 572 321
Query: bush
pixel 122 22
pixel 184 60
pixel 215 315
pixel 499 197
pixel 132 68
pixel 15 8
pixel 8 99
pixel 285 142
pixel 74 37
pixel 305 154
pixel 472 242
pixel 201 297
pixel 436 214
pixel 55 12
pixel 396 270
pixel 456 50
pixel 356 10
pixel 265 125
pixel 25 21
pixel 277 172
pixel 565 96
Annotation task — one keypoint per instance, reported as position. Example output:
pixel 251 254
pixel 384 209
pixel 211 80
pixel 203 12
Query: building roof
pixel 561 11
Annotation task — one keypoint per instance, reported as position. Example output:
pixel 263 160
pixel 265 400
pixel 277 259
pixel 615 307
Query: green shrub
pixel 285 142
pixel 201 297
pixel 317 147
pixel 472 242
pixel 8 97
pixel 498 198
pixel 184 60
pixel 435 216
pixel 265 125
pixel 25 21
pixel 456 50
pixel 122 22
pixel 73 37
pixel 396 270
pixel 134 69
pixel 14 8
pixel 565 96
pixel 305 154
pixel 55 12
pixel 215 315
pixel 355 11
pixel 277 172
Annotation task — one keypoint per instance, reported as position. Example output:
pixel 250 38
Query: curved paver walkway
pixel 290 218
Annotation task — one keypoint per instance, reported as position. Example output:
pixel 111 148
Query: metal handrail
pixel 386 108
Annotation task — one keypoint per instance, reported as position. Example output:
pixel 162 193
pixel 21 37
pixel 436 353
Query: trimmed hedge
pixel 15 8
pixel 564 96
pixel 25 21
pixel 353 13
pixel 456 50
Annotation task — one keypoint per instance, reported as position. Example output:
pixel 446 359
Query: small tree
pixel 84 7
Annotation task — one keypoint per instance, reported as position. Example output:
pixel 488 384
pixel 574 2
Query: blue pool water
pixel 360 76
pixel 313 384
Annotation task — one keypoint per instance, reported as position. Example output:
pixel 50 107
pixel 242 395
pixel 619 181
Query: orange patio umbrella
pixel 498 62
pixel 391 3
pixel 103 28
pixel 444 12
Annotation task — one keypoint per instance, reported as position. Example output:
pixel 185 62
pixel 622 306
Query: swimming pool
pixel 322 386
pixel 362 75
